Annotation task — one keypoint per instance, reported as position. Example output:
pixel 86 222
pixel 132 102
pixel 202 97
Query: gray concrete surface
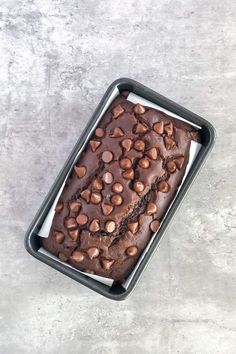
pixel 57 58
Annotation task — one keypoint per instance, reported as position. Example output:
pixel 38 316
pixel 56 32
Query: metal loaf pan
pixel 32 243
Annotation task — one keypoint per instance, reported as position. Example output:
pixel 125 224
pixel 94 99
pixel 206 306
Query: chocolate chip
pixel 96 198
pixel 138 186
pixel 62 257
pixel 155 225
pixel 169 142
pixel 74 234
pixel 93 252
pixel 179 161
pixel 117 133
pixel 94 226
pixel 106 209
pixel 151 208
pixel 94 144
pixel 128 174
pixel 195 136
pixel 159 127
pixel 107 178
pixel 80 171
pixel 125 163
pixel 152 153
pixel 107 263
pixel 59 236
pixel 99 132
pixel 140 129
pixel 116 199
pixel 139 145
pixel 117 187
pixel 97 184
pixel 71 223
pixel 171 166
pixel 110 226
pixel 107 156
pixel 144 163
pixel 75 207
pixel 59 207
pixel 89 271
pixel 169 128
pixel 131 251
pixel 133 227
pixel 117 111
pixel 82 219
pixel 163 187
pixel 77 256
pixel 86 195
pixel 139 109
pixel 127 144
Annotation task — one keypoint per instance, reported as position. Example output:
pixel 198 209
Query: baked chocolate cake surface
pixel 120 189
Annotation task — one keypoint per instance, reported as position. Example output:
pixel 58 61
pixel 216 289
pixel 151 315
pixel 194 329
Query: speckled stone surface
pixel 57 58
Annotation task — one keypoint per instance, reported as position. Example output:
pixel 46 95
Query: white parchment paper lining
pixel 44 231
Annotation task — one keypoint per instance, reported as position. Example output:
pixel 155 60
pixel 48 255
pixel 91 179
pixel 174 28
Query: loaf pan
pixel 32 240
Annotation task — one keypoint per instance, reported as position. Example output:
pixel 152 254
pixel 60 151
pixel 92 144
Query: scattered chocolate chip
pixel 133 227
pixel 107 178
pixel 89 271
pixel 169 142
pixel 144 163
pixel 125 163
pixel 171 166
pixel 117 111
pixel 93 252
pixel 169 128
pixel 117 187
pixel 59 236
pixel 94 225
pixel 82 219
pixel 62 257
pixel 139 145
pixel 99 132
pixel 107 156
pixel 116 199
pixel 97 184
pixel 152 153
pixel 110 226
pixel 106 209
pixel 74 234
pixel 131 251
pixel 96 198
pixel 77 256
pixel 75 207
pixel 155 225
pixel 128 174
pixel 163 187
pixel 151 208
pixel 107 263
pixel 94 144
pixel 139 109
pixel 117 133
pixel 140 129
pixel 179 161
pixel 59 207
pixel 127 144
pixel 159 127
pixel 71 223
pixel 80 171
pixel 86 195
pixel 138 186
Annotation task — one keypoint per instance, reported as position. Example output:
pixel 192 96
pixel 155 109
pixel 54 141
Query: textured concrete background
pixel 57 58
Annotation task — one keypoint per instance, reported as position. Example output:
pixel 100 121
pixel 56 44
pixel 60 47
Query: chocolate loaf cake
pixel 120 189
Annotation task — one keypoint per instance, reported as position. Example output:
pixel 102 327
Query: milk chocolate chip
pixel 127 144
pixel 151 208
pixel 86 195
pixel 116 199
pixel 138 186
pixel 94 226
pixel 140 129
pixel 139 145
pixel 82 219
pixel 169 142
pixel 59 207
pixel 117 133
pixel 159 127
pixel 110 226
pixel 59 236
pixel 71 223
pixel 125 163
pixel 80 171
pixel 107 177
pixel 155 225
pixel 62 257
pixel 107 263
pixel 132 251
pixel 133 227
pixel 106 209
pixel 77 256
pixel 152 153
pixel 171 166
pixel 163 187
pixel 169 128
pixel 128 174
pixel 74 234
pixel 96 198
pixel 117 111
pixel 99 132
pixel 97 184
pixel 179 162
pixel 107 156
pixel 139 109
pixel 144 163
pixel 93 252
pixel 117 187
pixel 75 207
pixel 94 145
